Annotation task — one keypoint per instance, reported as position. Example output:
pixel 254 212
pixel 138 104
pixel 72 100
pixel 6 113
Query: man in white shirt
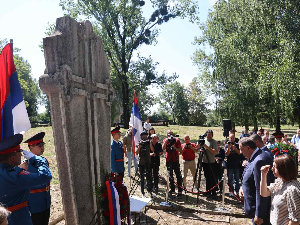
pixel 147 125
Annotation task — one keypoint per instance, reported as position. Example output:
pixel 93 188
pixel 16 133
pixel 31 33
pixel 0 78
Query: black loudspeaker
pixel 226 127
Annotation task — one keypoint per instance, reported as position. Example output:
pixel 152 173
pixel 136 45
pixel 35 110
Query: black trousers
pixel 174 166
pixel 155 170
pixel 210 176
pixel 41 218
pixel 145 171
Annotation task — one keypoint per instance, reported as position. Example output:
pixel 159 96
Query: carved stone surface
pixel 77 83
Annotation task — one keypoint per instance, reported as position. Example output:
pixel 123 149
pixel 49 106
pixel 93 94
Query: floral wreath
pixel 114 200
pixel 281 149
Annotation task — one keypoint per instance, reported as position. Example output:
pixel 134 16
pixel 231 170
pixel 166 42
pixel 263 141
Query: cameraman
pixel 209 166
pixel 188 158
pixel 155 160
pixel 172 160
pixel 233 163
pixel 145 161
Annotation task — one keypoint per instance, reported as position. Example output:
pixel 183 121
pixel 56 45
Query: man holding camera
pixel 188 158
pixel 172 146
pixel 233 164
pixel 209 168
pixel 155 159
pixel 145 162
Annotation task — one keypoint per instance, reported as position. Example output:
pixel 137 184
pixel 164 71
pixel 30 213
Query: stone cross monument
pixel 77 83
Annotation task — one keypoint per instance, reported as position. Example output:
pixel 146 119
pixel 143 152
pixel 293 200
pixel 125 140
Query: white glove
pixel 28 155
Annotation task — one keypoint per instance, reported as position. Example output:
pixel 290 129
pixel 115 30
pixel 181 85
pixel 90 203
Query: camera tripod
pixel 199 169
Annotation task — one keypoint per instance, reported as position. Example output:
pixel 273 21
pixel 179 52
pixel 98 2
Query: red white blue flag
pixel 14 118
pixel 113 203
pixel 136 123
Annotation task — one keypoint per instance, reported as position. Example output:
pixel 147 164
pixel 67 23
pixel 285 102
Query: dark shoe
pixel 206 194
pixel 179 195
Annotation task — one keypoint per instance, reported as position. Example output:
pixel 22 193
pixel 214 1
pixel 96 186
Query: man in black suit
pixel 257 207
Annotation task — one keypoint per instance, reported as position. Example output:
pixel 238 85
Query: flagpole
pixel 12 43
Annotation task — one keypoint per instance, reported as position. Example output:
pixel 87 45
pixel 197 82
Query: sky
pixel 25 22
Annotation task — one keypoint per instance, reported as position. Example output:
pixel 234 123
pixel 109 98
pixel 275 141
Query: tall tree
pixel 124 29
pixel 173 100
pixel 29 85
pixel 197 104
pixel 253 63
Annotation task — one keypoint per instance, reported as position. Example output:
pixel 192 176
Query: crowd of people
pixel 247 162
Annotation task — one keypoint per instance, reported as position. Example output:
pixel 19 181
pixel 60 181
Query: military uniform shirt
pixel 117 154
pixel 15 187
pixel 39 202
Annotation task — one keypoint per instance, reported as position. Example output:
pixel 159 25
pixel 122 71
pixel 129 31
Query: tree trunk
pixel 126 107
pixel 255 123
pixel 277 122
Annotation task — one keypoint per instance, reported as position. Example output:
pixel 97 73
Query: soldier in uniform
pixel 117 156
pixel 16 181
pixel 39 200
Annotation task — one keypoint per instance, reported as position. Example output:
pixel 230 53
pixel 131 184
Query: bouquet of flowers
pixel 106 194
pixel 282 148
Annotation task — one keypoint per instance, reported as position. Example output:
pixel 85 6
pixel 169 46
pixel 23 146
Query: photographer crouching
pixel 172 146
pixel 145 162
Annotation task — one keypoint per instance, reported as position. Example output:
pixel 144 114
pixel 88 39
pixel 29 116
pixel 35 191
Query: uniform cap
pixel 10 144
pixel 36 139
pixel 278 134
pixel 115 130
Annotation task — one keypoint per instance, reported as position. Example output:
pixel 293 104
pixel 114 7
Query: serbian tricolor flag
pixel 113 203
pixel 136 123
pixel 14 118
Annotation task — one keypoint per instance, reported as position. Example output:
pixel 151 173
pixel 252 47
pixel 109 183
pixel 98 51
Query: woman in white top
pixel 285 192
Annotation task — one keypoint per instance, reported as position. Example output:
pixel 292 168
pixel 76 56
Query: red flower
pixel 275 149
pixel 123 211
pixel 118 184
pixel 124 202
pixel 104 195
pixel 106 212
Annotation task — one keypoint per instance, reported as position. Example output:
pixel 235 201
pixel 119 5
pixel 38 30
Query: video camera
pixel 201 139
pixel 145 142
pixel 172 139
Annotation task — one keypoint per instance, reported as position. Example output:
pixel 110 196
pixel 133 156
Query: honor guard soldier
pixel 117 156
pixel 39 200
pixel 16 181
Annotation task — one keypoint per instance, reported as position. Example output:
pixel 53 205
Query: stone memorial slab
pixel 77 83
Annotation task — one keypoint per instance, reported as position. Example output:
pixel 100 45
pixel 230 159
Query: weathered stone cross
pixel 77 83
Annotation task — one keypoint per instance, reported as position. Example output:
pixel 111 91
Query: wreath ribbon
pixel 113 203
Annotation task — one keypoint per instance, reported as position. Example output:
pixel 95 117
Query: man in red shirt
pixel 172 160
pixel 188 158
